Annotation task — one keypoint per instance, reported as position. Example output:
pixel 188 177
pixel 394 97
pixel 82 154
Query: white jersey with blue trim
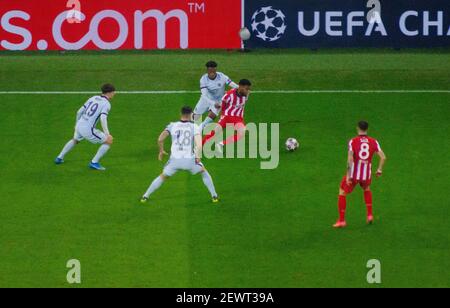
pixel 93 109
pixel 183 134
pixel 216 87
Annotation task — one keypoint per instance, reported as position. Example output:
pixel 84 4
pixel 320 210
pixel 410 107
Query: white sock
pixel 101 151
pixel 207 180
pixel 154 186
pixel 206 122
pixel 67 148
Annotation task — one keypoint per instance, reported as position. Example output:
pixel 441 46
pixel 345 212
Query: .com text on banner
pixel 119 24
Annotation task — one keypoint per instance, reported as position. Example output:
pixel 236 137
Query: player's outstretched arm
pixel 349 166
pixel 161 140
pixel 79 114
pixel 204 92
pixel 233 85
pixel 104 122
pixel 381 164
pixel 198 147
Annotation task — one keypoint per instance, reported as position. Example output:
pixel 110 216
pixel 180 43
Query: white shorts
pixel 92 135
pixel 182 164
pixel 206 104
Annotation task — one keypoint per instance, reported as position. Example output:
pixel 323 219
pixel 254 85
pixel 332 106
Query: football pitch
pixel 272 228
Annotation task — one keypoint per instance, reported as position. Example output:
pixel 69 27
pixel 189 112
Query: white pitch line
pixel 197 92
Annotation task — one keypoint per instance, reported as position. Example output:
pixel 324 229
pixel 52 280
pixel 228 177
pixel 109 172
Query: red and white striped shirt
pixel 363 149
pixel 233 104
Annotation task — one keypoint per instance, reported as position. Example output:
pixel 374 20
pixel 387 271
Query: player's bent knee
pixel 109 140
pixel 76 141
pixel 342 192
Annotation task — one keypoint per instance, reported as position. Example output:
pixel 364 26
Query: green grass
pixel 273 227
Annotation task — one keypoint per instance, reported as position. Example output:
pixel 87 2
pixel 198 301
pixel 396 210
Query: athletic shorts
pixel 205 105
pixel 182 164
pixel 349 188
pixel 224 120
pixel 92 135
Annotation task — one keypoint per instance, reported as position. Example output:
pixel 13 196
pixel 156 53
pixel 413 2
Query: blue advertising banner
pixel 347 23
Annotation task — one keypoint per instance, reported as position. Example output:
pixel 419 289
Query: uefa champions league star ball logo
pixel 269 24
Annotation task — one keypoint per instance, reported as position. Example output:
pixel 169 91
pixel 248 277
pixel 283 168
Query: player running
pixel 359 171
pixel 185 153
pixel 212 86
pixel 95 109
pixel 233 106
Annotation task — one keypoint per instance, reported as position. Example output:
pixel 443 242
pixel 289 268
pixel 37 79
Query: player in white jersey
pixel 185 153
pixel 94 110
pixel 212 86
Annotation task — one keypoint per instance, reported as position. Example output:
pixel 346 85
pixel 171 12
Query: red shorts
pixel 349 188
pixel 224 120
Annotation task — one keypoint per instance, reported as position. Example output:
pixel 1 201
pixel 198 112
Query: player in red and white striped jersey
pixel 233 107
pixel 233 104
pixel 361 150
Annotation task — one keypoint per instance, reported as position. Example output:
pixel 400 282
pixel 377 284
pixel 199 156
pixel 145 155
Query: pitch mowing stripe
pixel 197 92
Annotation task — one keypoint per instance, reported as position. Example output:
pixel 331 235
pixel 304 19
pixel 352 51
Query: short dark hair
pixel 363 125
pixel 211 64
pixel 108 88
pixel 245 82
pixel 186 110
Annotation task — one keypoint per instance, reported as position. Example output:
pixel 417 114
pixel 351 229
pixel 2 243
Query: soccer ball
pixel 269 24
pixel 244 34
pixel 292 144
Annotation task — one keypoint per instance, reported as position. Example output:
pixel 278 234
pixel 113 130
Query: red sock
pixel 208 137
pixel 233 139
pixel 342 205
pixel 368 200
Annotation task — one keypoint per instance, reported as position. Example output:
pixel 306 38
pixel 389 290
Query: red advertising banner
pixel 119 24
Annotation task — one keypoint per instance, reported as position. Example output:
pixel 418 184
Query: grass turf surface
pixel 273 227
